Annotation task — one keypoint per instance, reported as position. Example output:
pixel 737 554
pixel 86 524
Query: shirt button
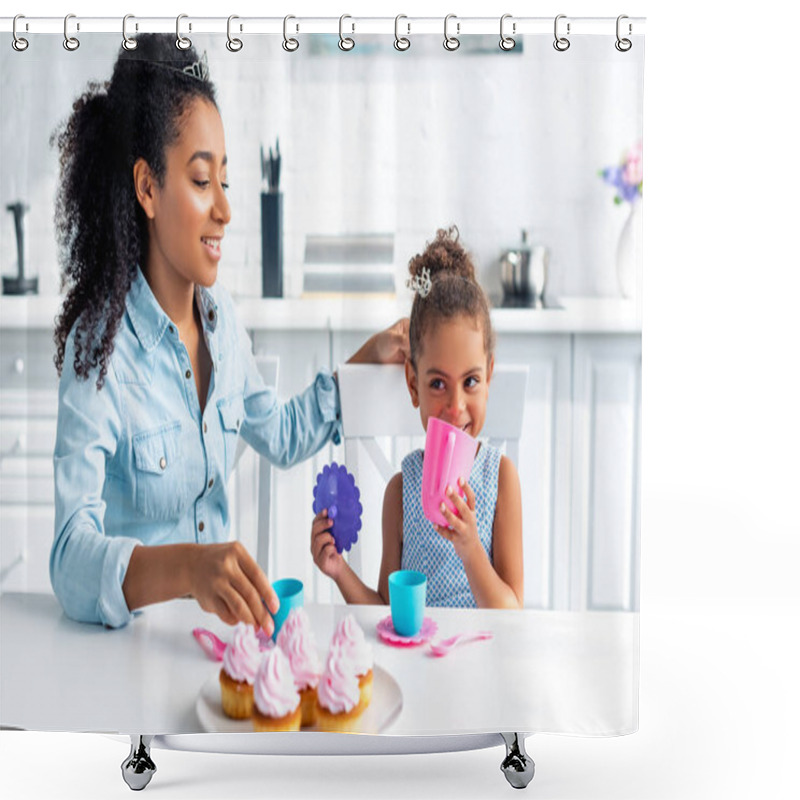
pixel 200 527
pixel 163 463
pixel 171 329
pixel 188 374
pixel 205 427
pixel 210 483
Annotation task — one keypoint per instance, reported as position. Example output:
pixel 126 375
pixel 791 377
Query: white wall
pixel 374 141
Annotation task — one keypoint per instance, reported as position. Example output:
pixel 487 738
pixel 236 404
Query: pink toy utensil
pixel 442 648
pixel 214 647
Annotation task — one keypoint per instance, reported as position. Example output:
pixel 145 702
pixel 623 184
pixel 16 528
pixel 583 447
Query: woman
pixel 157 378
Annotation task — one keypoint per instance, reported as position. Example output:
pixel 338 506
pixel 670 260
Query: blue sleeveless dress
pixel 425 550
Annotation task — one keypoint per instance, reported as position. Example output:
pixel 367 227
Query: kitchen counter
pixel 577 315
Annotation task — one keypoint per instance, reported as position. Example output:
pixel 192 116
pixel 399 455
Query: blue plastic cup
pixel 290 593
pixel 407 600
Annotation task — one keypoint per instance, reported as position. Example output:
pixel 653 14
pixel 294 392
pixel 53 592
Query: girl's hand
pixel 323 546
pixel 226 580
pixel 463 529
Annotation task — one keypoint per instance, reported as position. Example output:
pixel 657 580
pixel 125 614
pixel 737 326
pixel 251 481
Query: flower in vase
pixel 626 177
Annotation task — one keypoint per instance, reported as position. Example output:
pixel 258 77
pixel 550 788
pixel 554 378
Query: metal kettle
pixel 523 274
pixel 19 283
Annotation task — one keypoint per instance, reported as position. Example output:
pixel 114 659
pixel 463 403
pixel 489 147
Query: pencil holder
pixel 271 244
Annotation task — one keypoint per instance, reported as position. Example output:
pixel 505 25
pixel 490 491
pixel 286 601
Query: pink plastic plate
pixel 387 633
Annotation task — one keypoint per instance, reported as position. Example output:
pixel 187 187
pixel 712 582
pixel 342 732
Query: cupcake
pixel 350 638
pixel 339 704
pixel 276 701
pixel 239 664
pixel 296 639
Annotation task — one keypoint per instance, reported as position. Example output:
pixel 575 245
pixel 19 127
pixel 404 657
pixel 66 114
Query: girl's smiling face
pixel 451 381
pixel 187 215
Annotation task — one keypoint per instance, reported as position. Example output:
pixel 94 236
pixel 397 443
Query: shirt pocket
pixel 231 416
pixel 162 487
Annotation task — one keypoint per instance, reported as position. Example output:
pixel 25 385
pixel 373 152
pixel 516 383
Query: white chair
pixel 253 486
pixel 379 421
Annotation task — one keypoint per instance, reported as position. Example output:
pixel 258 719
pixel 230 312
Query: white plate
pixel 387 700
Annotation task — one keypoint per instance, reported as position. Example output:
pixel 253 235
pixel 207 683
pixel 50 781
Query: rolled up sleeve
pixel 87 567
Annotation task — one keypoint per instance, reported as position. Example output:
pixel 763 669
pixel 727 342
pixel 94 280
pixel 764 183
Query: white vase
pixel 629 250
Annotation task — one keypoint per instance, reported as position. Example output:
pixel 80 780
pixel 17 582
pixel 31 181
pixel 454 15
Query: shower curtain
pixel 342 164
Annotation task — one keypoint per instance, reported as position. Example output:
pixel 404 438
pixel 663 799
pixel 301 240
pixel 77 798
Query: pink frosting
pixel 297 622
pixel 297 642
pixel 242 656
pixel 338 687
pixel 350 638
pixel 274 692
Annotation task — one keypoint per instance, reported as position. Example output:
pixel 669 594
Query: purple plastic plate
pixel 336 490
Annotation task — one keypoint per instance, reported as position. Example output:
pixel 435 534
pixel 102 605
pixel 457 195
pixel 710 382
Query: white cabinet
pixel 544 463
pixel 606 454
pixel 28 408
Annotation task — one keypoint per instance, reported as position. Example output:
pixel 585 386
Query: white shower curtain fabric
pixel 536 156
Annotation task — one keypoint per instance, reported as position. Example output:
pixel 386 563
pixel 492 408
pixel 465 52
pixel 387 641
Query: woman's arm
pixel 498 585
pixel 288 432
pixel 86 566
pixel 223 578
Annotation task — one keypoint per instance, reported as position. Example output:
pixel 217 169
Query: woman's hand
pixel 387 347
pixel 228 582
pixel 463 527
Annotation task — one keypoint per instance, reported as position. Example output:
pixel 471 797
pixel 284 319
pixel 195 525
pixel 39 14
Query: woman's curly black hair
pixel 100 226
pixel 454 291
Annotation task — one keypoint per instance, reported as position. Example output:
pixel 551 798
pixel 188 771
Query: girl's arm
pixel 332 564
pixel 499 585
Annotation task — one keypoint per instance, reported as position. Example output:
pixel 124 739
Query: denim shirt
pixel 137 462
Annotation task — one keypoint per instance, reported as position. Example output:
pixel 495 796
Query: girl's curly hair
pixel 454 291
pixel 100 226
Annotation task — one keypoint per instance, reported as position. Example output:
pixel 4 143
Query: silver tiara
pixel 421 284
pixel 198 69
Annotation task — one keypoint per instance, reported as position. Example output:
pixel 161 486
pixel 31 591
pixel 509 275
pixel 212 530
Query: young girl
pixel 477 559
pixel 158 379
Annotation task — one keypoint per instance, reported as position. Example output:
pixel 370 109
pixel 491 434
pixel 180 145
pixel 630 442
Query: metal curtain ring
pixel 401 43
pixel 289 45
pixel 127 42
pixel 623 45
pixel 345 42
pixel 234 45
pixel 507 42
pixel 451 43
pixel 181 42
pixel 70 42
pixel 561 43
pixel 18 43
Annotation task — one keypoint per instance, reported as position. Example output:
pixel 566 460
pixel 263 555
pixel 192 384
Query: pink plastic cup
pixel 449 454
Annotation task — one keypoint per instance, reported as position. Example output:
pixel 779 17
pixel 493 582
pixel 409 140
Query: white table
pixel 544 671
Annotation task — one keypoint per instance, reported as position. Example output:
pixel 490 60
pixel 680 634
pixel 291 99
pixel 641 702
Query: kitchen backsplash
pixel 423 134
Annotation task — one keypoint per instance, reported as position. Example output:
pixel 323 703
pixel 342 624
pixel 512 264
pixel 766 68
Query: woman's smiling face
pixel 188 213
pixel 451 381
